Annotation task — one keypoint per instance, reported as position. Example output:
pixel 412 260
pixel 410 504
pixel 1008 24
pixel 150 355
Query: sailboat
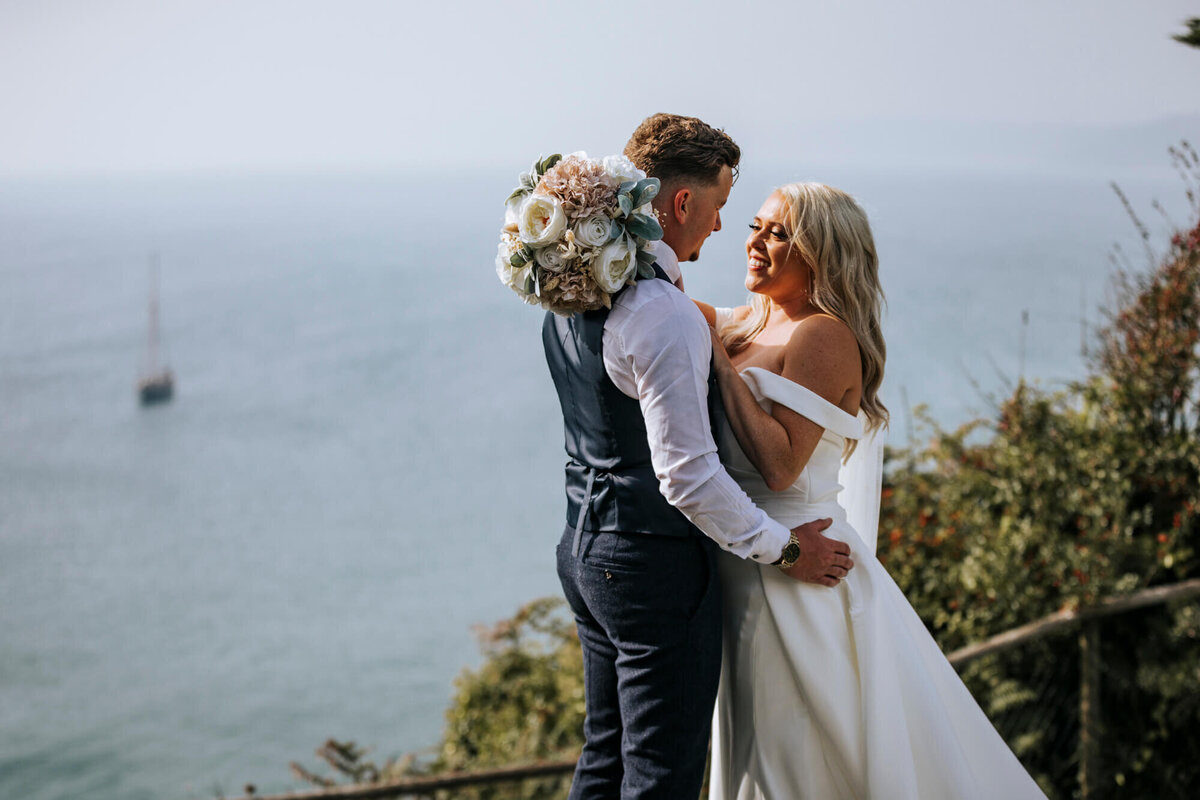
pixel 157 384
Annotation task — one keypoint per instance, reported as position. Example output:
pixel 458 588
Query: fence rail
pixel 1068 618
pixel 1085 618
pixel 426 784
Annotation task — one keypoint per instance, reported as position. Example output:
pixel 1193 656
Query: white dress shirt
pixel 657 350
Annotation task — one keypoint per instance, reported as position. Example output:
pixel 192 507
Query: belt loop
pixel 583 510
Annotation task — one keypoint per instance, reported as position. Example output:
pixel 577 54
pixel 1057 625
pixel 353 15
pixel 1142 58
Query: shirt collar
pixel 666 259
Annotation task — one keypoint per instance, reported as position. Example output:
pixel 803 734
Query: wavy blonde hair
pixel 831 233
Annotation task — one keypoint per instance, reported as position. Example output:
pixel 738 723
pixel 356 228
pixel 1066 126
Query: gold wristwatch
pixel 790 554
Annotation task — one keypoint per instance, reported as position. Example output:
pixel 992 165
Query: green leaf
pixel 626 204
pixel 616 231
pixel 645 257
pixel 528 181
pixel 520 191
pixel 627 187
pixel 518 259
pixel 529 286
pixel 547 163
pixel 646 190
pixel 644 270
pixel 644 227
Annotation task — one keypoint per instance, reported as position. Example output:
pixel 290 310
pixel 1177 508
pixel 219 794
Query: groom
pixel 648 502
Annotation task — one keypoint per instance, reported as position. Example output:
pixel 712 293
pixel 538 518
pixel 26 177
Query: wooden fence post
pixel 1089 711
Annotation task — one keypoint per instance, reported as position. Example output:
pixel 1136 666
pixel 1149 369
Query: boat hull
pixel 156 390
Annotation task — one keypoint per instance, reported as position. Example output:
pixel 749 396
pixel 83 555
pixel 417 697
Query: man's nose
pixel 717 227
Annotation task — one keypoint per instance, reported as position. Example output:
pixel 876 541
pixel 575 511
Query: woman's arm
pixel 710 313
pixel 822 355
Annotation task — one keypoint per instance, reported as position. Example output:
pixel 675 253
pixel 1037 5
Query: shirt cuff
pixel 771 541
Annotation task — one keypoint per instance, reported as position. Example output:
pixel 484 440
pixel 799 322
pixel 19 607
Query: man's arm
pixel 658 349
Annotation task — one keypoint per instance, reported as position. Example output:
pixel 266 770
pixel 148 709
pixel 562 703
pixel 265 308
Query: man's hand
pixel 822 560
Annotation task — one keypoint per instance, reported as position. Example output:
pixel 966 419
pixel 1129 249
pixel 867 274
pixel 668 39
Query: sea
pixel 362 461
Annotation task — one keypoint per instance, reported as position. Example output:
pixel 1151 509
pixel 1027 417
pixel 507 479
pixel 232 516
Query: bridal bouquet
pixel 576 230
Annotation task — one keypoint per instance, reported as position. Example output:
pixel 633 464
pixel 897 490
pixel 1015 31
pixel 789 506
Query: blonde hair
pixel 831 233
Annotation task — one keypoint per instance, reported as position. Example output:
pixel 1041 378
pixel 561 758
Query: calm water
pixel 363 458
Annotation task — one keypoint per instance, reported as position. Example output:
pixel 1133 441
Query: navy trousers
pixel 648 609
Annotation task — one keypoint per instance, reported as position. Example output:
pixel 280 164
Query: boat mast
pixel 157 385
pixel 152 348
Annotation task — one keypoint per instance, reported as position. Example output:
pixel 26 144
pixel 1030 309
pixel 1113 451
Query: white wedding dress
pixel 839 692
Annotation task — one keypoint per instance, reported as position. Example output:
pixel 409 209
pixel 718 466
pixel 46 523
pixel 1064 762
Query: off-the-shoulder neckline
pixel 853 425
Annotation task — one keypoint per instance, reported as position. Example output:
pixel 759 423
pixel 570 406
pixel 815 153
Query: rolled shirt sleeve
pixel 657 349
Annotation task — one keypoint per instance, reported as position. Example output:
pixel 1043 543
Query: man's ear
pixel 681 204
pixel 673 204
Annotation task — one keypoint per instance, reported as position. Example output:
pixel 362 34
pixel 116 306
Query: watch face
pixel 791 552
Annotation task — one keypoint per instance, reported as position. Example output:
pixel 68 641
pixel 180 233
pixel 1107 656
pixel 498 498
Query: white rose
pixel 510 276
pixel 622 168
pixel 551 259
pixel 512 210
pixel 541 219
pixel 506 271
pixel 615 264
pixel 593 231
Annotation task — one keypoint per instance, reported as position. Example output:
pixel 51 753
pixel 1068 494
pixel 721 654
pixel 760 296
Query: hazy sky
pixel 140 85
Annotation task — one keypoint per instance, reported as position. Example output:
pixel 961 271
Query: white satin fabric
pixel 839 692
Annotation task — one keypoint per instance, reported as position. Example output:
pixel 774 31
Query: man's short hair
pixel 670 147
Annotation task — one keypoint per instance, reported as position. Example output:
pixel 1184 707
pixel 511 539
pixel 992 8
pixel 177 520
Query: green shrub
pixel 524 704
pixel 1064 499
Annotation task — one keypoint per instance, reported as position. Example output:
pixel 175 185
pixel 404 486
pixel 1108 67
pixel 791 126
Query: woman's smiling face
pixel 773 266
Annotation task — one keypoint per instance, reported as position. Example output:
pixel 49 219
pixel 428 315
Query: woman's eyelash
pixel 778 234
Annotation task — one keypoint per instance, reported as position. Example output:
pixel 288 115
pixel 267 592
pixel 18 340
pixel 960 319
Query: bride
pixel 827 692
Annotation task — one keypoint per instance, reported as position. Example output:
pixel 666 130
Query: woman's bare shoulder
pixel 823 351
pixel 824 331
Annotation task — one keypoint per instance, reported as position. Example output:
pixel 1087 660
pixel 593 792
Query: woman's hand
pixel 722 365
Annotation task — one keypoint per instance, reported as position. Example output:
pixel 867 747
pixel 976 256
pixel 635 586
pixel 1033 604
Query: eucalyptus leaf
pixel 520 191
pixel 528 181
pixel 644 227
pixel 645 257
pixel 646 190
pixel 644 270
pixel 626 204
pixel 548 162
pixel 627 187
pixel 518 259
pixel 616 231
